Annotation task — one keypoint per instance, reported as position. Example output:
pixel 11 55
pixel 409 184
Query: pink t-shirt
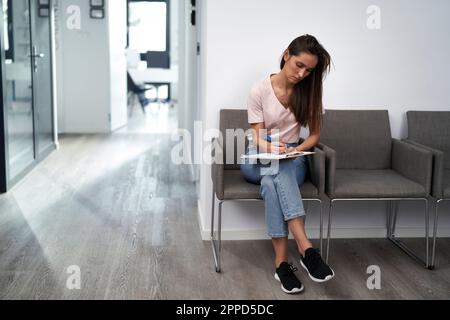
pixel 264 106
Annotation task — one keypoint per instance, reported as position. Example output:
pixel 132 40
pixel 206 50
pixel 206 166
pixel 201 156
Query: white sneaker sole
pixel 295 290
pixel 315 279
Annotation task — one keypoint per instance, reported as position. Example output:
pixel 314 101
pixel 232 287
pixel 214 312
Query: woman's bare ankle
pixel 278 262
pixel 302 249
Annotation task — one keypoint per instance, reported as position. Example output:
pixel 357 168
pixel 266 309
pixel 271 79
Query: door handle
pixel 35 55
pixel 40 55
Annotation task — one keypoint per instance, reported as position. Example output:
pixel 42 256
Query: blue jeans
pixel 280 191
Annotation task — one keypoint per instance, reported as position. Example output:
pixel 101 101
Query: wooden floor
pixel 117 208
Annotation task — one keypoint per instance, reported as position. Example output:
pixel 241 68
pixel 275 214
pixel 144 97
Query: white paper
pixel 275 156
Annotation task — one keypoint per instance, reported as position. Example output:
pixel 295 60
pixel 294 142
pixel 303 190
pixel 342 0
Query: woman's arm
pixel 309 143
pixel 261 143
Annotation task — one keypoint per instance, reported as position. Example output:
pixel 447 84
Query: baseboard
pixel 313 232
pixel 205 233
pixel 337 233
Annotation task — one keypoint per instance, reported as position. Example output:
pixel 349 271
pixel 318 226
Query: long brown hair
pixel 306 99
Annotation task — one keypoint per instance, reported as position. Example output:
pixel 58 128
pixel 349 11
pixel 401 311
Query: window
pixel 148 31
pixel 5 24
pixel 7 30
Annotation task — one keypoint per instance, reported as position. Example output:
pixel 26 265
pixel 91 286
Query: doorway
pixel 27 134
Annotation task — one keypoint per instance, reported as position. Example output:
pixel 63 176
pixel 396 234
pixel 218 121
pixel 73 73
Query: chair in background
pixel 136 91
pixel 365 163
pixel 153 70
pixel 430 130
pixel 230 185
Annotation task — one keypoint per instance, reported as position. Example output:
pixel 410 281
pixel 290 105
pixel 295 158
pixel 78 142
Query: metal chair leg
pixel 427 234
pixel 394 218
pixel 402 246
pixel 216 241
pixel 433 250
pixel 219 237
pixel 213 240
pixel 217 248
pixel 321 226
pixel 329 230
pixel 389 219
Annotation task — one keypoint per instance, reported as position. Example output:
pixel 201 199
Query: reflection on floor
pixel 159 119
pixel 20 136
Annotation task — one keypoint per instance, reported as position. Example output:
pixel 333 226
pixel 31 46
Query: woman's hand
pixel 291 149
pixel 277 148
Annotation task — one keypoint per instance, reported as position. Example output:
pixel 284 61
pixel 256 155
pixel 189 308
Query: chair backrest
pixel 233 119
pixel 131 84
pixel 361 138
pixel 160 60
pixel 431 128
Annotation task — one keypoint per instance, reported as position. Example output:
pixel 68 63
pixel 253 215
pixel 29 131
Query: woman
pixel 280 105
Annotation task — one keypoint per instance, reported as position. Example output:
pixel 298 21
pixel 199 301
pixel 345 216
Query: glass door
pixel 18 93
pixel 42 75
pixel 26 85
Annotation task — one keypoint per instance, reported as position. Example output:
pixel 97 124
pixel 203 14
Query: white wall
pixel 183 41
pixel 54 74
pixel 188 106
pixel 117 30
pixel 89 82
pixel 59 16
pixel 400 67
pixel 174 45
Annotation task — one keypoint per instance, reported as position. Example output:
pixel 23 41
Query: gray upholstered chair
pixel 365 163
pixel 430 130
pixel 230 185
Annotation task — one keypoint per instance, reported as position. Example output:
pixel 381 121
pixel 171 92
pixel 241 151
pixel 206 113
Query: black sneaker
pixel 318 271
pixel 289 282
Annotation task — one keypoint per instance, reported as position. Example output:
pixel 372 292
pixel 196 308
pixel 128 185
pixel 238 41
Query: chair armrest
pixel 316 163
pixel 438 168
pixel 412 162
pixel 330 168
pixel 217 167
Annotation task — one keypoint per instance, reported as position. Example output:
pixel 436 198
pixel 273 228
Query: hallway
pixel 112 205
